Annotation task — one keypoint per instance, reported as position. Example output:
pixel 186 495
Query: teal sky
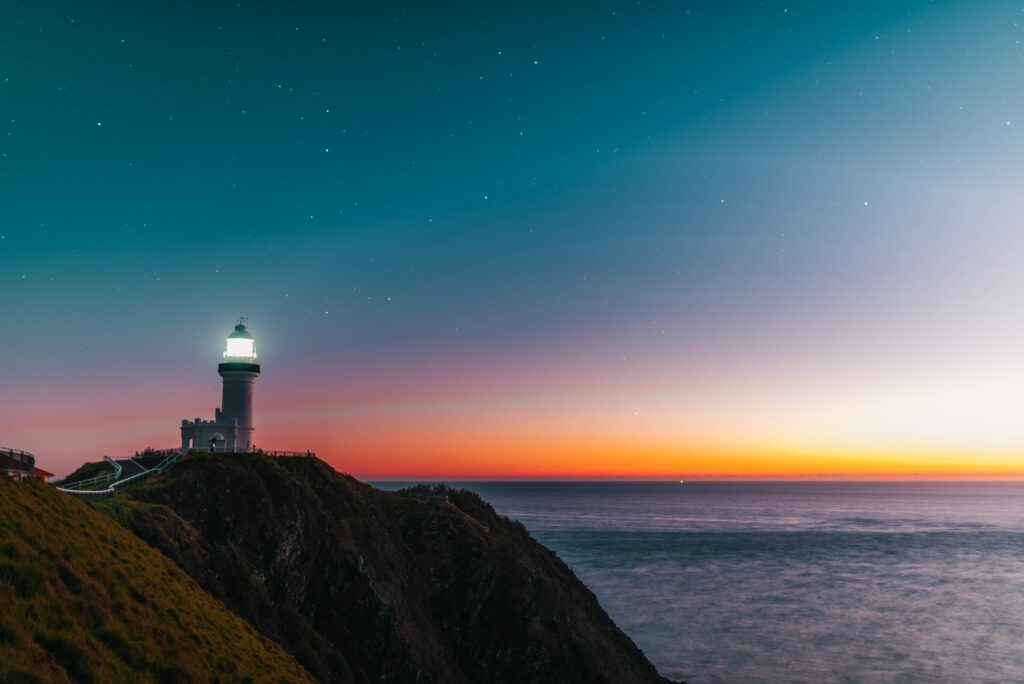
pixel 801 218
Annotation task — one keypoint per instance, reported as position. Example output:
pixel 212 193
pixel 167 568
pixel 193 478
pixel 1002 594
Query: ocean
pixel 796 581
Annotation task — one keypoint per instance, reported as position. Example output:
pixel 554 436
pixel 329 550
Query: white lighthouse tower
pixel 239 371
pixel 232 427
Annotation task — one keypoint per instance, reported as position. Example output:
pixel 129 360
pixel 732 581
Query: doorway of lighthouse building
pixel 217 442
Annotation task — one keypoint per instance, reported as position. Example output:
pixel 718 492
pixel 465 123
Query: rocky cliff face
pixel 367 586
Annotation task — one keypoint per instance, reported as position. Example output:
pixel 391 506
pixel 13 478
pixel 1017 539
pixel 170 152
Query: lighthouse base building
pixel 232 426
pixel 218 434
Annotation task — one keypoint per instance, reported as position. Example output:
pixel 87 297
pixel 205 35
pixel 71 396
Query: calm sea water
pixel 796 582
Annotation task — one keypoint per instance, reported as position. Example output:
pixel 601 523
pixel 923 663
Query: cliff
pixel 362 585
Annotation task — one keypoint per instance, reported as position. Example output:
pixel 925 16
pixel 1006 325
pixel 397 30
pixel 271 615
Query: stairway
pixel 127 472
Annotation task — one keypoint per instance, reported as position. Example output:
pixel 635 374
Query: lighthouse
pixel 239 371
pixel 232 426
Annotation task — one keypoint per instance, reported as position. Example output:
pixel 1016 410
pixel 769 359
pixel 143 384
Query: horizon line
pixel 930 477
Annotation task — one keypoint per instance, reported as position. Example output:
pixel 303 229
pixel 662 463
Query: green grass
pixel 84 600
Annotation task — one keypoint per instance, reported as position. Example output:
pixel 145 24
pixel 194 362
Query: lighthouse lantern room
pixel 240 345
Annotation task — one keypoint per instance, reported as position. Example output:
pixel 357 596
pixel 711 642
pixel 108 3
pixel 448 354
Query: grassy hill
pixel 82 599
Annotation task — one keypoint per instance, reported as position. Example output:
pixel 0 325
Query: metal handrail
pixel 117 466
pixel 99 479
pixel 135 460
pixel 172 455
pixel 158 468
pixel 121 484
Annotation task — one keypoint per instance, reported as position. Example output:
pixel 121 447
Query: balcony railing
pixel 16 460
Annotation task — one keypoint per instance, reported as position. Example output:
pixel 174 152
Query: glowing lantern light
pixel 241 346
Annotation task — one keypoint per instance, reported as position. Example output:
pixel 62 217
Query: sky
pixel 579 239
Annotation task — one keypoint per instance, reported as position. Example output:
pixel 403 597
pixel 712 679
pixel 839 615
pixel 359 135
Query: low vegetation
pixel 82 599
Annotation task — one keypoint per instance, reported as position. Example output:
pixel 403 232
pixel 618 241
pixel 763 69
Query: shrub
pixel 69 654
pixel 169 674
pixel 7 634
pixel 26 579
pixel 21 677
pixel 114 639
pixel 70 579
